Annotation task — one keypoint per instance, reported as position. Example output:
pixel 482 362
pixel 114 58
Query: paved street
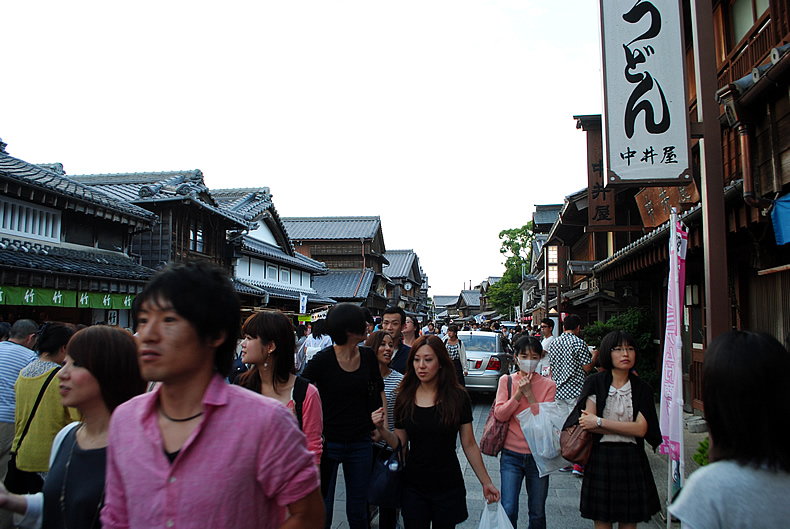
pixel 562 506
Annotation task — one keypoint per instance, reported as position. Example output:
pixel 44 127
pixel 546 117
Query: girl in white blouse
pixel 619 409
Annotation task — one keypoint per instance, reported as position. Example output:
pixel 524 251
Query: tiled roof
pixel 344 284
pixel 400 263
pixel 280 291
pixel 331 228
pixel 277 254
pixel 470 297
pixel 658 234
pixel 248 202
pixel 546 214
pixel 34 175
pixel 43 258
pixel 444 301
pixel 146 188
pixel 254 204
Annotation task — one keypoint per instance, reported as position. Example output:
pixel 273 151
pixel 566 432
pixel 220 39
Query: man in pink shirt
pixel 197 452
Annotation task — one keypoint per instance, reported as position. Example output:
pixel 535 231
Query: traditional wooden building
pixel 353 250
pixel 267 271
pixel 405 276
pixel 190 227
pixel 66 249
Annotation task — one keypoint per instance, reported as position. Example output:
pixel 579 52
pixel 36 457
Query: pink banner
pixel 671 411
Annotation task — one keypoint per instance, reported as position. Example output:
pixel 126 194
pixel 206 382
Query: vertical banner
pixel 302 303
pixel 645 110
pixel 671 411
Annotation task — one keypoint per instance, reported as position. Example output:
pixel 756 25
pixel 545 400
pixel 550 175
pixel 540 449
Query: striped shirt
pixel 13 358
pixel 391 383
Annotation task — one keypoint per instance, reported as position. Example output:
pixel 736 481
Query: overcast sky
pixel 448 119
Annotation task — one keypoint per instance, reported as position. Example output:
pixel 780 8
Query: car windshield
pixel 472 342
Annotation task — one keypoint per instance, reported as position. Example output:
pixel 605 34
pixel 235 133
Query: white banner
pixel 646 116
pixel 302 303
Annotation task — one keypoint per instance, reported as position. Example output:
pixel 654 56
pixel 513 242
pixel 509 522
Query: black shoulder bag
pixel 21 481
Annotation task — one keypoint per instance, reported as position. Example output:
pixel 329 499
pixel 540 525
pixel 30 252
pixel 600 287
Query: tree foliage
pixel 517 248
pixel 638 322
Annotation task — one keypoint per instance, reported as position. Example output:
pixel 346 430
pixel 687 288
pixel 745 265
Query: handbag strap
pixel 509 385
pixel 35 406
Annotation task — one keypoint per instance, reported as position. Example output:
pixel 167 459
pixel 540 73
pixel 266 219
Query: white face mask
pixel 527 366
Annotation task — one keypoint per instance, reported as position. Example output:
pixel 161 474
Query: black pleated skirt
pixel 618 485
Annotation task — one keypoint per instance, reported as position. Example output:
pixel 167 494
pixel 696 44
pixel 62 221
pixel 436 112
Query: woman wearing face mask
pixel 527 389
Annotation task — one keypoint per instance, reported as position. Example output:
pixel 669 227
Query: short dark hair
pixel 609 342
pixel 571 321
pixel 52 336
pixel 271 327
pixel 548 321
pixel 394 309
pixel 742 426
pixel 453 327
pixel 345 318
pixel 21 329
pixel 524 343
pixel 5 330
pixel 318 328
pixel 110 354
pixel 368 315
pixel 203 294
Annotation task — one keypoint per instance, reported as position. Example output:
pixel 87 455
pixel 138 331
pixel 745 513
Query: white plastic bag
pixel 494 519
pixel 542 432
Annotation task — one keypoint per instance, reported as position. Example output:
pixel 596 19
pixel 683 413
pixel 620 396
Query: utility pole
pixel 712 171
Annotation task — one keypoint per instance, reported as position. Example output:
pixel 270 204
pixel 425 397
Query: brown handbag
pixel 576 443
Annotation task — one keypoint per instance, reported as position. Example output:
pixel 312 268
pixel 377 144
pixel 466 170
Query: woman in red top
pixel 527 389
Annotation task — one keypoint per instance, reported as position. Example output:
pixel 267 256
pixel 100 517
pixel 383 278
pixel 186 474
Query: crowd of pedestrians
pixel 99 428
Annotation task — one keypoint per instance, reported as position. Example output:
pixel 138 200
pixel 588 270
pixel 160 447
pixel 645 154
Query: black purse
pixel 386 480
pixel 21 481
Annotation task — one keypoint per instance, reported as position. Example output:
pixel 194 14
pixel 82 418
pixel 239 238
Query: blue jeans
pixel 513 469
pixel 355 458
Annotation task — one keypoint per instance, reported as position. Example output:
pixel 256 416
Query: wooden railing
pixel 751 51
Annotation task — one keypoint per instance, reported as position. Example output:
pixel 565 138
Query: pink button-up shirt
pixel 241 466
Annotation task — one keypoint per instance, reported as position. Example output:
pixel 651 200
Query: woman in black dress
pixel 619 409
pixel 430 411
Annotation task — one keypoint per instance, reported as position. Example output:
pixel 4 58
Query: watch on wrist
pixel 598 422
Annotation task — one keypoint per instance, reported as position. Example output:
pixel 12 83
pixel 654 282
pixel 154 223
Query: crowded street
pixel 562 505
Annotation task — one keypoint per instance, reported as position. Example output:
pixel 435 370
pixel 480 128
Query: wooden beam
pixel 588 229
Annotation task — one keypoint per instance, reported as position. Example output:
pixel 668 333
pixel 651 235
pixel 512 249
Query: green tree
pixel 517 248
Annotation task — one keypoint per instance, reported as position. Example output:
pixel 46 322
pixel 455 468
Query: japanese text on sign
pixel 646 127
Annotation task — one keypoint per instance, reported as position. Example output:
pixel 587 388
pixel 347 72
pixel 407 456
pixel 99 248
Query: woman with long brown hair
pixel 268 345
pixel 430 411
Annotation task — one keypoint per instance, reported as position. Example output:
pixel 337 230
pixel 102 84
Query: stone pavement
pixel 562 505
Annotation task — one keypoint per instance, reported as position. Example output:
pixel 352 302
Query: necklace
pixel 63 487
pixel 169 418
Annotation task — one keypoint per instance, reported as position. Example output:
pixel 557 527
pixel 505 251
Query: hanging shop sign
pixel 645 115
pixel 50 297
